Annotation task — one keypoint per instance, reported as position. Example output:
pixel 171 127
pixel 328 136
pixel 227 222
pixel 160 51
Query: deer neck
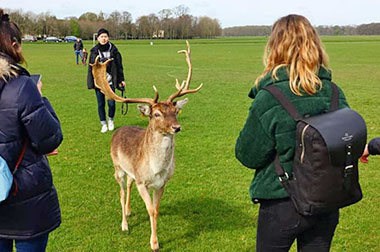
pixel 160 150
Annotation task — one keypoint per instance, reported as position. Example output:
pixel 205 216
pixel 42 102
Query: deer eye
pixel 157 114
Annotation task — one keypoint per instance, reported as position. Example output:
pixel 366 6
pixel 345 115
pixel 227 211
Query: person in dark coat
pixel 78 47
pixel 31 210
pixel 115 76
pixel 372 148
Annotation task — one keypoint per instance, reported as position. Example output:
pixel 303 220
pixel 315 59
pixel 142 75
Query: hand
pixel 365 155
pixel 122 84
pixel 39 86
pixel 54 152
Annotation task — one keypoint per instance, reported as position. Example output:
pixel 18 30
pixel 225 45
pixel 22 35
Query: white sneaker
pixel 104 128
pixel 111 126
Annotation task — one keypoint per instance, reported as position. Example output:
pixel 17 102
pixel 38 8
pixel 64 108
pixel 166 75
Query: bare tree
pixel 181 10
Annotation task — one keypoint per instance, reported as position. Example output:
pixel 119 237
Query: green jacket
pixel 270 129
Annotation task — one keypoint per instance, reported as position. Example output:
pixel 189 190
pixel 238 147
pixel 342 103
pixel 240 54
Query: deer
pixel 146 156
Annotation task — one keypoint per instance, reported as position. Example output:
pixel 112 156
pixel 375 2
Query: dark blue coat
pixel 24 115
pixel 374 146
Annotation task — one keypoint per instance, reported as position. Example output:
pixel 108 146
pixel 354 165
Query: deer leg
pixel 144 193
pixel 119 176
pixel 157 194
pixel 129 186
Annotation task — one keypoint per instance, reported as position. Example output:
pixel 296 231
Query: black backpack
pixel 325 166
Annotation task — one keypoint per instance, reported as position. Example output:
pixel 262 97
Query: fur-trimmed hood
pixel 9 69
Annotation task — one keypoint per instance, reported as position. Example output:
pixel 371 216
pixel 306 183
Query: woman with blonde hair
pixel 296 63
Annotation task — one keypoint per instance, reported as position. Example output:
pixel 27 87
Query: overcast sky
pixel 228 12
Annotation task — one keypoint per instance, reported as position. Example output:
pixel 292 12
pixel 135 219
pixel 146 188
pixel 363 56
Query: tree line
pixel 174 23
pixel 264 30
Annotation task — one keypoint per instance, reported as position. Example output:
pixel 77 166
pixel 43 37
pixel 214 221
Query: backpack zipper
pixel 303 142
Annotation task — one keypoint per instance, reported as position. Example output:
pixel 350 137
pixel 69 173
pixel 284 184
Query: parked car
pixel 29 38
pixel 52 39
pixel 70 39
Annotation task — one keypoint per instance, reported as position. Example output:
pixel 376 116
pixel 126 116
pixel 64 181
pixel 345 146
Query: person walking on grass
pixel 296 63
pixel 28 125
pixel 78 47
pixel 115 76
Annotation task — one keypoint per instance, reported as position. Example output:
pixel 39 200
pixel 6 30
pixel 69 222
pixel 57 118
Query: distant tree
pixel 101 16
pixel 143 29
pixel 207 27
pixel 181 10
pixel 167 22
pixel 126 25
pixel 184 25
pixel 88 16
pixel 75 29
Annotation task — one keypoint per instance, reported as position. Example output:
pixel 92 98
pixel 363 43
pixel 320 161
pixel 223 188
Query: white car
pixel 52 39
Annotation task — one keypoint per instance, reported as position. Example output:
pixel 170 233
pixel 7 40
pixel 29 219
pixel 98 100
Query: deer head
pixel 163 115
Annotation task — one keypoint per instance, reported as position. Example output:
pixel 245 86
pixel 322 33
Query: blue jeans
pixel 101 105
pixel 32 245
pixel 279 225
pixel 78 54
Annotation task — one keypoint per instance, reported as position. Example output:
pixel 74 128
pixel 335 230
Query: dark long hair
pixel 10 39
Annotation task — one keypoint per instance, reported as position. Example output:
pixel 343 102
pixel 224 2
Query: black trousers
pixel 279 224
pixel 101 105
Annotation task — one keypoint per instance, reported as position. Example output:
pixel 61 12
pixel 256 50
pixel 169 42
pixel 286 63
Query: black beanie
pixel 102 30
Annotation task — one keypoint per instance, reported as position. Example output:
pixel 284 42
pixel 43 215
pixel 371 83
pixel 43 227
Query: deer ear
pixel 179 104
pixel 144 109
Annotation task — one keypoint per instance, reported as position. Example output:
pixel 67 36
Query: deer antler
pixel 101 82
pixel 184 88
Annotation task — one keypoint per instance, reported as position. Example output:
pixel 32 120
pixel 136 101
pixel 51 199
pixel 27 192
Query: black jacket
pixel 115 67
pixel 78 46
pixel 374 146
pixel 25 116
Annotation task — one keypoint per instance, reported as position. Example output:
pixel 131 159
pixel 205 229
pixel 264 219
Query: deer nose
pixel 176 128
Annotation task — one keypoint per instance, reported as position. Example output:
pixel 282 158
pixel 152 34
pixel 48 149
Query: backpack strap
pixel 334 104
pixel 15 191
pixel 281 173
pixel 286 104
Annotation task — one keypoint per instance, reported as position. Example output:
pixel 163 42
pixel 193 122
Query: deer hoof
pixel 124 226
pixel 155 250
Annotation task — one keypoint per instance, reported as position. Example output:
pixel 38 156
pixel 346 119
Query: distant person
pixel 372 148
pixel 84 57
pixel 78 47
pixel 296 63
pixel 28 122
pixel 115 76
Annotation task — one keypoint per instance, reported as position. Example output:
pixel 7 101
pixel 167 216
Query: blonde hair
pixel 295 44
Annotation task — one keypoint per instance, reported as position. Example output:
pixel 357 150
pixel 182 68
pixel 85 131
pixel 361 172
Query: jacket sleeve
pixel 90 78
pixel 254 148
pixel 39 119
pixel 374 146
pixel 119 68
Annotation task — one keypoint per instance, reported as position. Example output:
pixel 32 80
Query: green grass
pixel 205 206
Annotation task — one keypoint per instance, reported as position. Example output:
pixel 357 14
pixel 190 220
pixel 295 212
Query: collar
pixel 282 75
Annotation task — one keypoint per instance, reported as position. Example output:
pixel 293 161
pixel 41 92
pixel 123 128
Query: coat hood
pixel 9 69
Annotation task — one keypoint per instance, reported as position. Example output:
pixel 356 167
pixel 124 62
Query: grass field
pixel 206 206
